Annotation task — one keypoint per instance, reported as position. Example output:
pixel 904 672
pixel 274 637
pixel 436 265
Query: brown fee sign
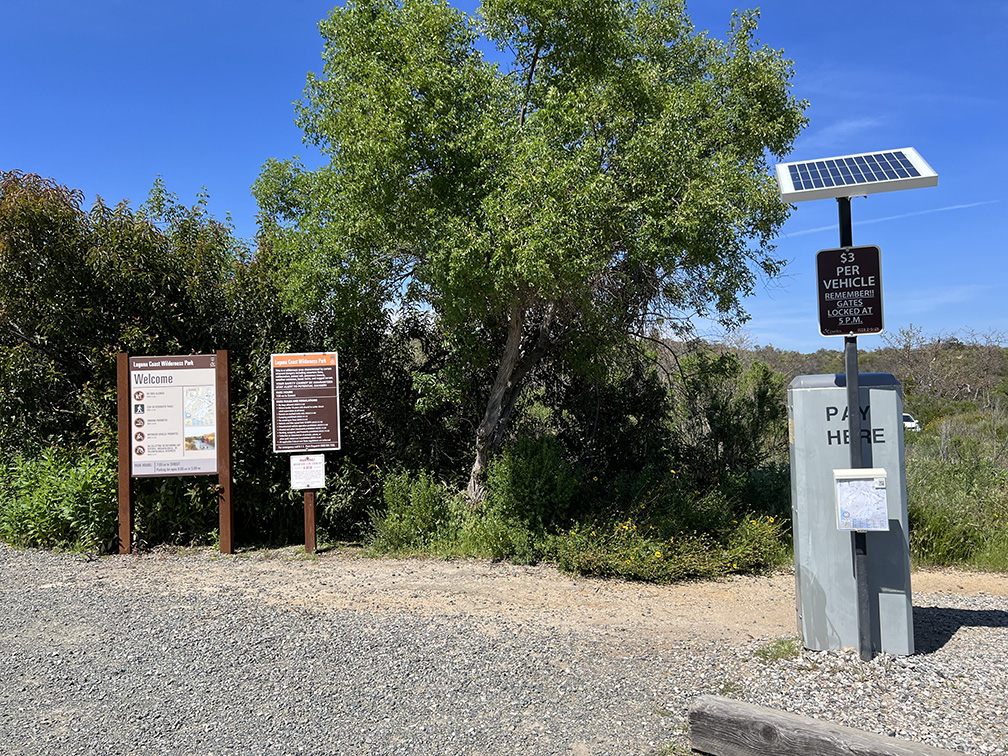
pixel 850 291
pixel 305 402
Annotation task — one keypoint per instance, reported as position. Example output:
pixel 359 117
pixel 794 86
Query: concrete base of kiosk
pixel 824 554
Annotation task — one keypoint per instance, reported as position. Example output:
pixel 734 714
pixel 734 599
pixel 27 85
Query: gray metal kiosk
pixel 825 580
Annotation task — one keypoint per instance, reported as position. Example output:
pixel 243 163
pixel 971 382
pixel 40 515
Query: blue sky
pixel 106 95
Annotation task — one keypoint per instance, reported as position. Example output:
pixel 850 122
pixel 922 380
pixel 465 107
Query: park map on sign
pixel 199 406
pixel 862 504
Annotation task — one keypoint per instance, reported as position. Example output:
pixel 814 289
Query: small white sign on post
pixel 861 499
pixel 307 471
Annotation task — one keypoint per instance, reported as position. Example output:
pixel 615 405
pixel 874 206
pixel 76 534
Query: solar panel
pixel 854 175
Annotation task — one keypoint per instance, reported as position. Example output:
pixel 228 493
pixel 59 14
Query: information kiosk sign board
pixel 850 291
pixel 305 402
pixel 173 415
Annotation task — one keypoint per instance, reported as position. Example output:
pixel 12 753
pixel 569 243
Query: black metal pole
pixel 860 540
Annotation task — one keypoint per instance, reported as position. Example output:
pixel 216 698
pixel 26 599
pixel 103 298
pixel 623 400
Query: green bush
pixel 417 513
pixel 351 493
pixel 62 498
pixel 77 288
pixel 421 515
pixel 652 526
pixel 661 526
pixel 176 510
pixel 958 511
pixel 765 489
pixel 631 551
pixel 531 483
pixel 993 554
pixel 489 534
pixel 729 419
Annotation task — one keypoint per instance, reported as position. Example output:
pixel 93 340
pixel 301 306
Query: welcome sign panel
pixel 173 415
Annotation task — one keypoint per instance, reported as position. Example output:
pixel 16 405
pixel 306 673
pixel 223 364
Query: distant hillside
pixel 940 373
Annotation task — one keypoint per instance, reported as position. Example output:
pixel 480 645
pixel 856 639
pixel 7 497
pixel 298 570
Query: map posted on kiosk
pixel 861 499
pixel 173 415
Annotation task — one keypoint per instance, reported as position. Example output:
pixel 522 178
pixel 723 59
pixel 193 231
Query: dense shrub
pixel 641 466
pixel 729 418
pixel 352 493
pixel 176 510
pixel 532 483
pixel 77 287
pixel 417 513
pixel 61 498
pixel 630 550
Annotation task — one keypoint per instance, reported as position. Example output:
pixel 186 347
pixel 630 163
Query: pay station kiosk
pixel 849 504
pixel 827 596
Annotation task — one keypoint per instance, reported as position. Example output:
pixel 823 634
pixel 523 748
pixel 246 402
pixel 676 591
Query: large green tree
pixel 605 171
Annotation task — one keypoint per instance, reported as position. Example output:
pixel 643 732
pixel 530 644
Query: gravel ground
pixel 274 654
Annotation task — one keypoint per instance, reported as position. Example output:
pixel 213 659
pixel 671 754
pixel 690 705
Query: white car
pixel 910 423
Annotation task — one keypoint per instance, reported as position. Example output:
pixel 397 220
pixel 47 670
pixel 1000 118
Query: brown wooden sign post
pixel 225 478
pixel 309 521
pixel 308 475
pixel 125 478
pixel 174 418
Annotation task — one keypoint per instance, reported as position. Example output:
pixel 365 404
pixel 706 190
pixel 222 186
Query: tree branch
pixel 528 85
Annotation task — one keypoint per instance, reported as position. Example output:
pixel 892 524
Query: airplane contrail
pixel 892 217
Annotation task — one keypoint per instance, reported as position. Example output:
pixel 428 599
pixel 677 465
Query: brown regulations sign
pixel 305 402
pixel 850 291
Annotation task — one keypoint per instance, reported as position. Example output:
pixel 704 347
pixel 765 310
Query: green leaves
pixel 79 287
pixel 616 134
pixel 60 499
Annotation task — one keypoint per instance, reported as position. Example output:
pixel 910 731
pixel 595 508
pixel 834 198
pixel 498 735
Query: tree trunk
pixel 504 386
pixel 515 364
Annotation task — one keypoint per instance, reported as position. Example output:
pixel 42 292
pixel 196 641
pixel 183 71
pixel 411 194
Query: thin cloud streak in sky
pixel 891 217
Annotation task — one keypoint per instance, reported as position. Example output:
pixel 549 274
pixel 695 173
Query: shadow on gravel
pixel 934 626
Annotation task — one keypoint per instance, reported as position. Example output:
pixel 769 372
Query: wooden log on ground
pixel 723 727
